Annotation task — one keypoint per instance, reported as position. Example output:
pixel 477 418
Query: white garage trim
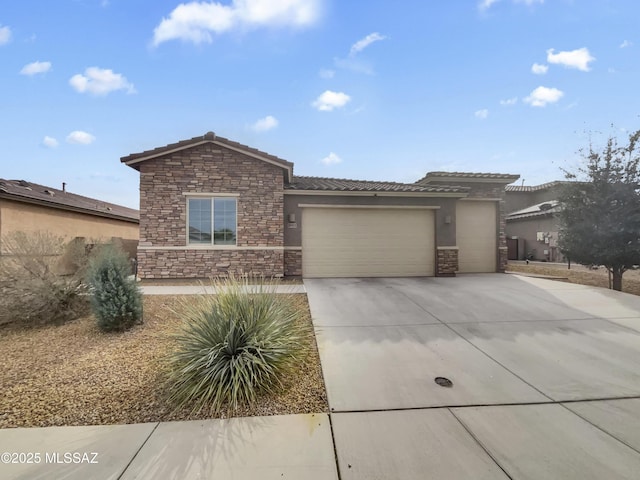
pixel 476 236
pixel 379 207
pixel 367 242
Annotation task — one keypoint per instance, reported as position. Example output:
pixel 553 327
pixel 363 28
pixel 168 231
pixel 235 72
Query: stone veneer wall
pixel 293 262
pixel 446 261
pixel 209 263
pixel 209 168
pixel 503 259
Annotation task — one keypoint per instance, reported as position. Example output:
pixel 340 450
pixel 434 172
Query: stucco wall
pixel 445 232
pixel 19 216
pixel 209 169
pixel 527 228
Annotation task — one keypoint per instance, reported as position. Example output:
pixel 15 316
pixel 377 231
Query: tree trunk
pixel 617 279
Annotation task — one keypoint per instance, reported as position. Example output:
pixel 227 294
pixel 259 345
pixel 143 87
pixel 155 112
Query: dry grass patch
pixel 73 374
pixel 579 274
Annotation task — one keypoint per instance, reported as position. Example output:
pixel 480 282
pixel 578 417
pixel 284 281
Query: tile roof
pixel 207 137
pixel 346 185
pixel 20 190
pixel 544 208
pixel 468 177
pixel 533 188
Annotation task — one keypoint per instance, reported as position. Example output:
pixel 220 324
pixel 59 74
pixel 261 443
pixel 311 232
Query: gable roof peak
pixel 134 159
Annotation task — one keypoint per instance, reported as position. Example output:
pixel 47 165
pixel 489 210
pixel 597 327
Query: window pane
pixel 224 221
pixel 199 220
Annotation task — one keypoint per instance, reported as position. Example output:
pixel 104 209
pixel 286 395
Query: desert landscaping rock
pixel 75 375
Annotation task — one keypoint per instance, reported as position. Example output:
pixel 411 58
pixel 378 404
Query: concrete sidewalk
pixel 208 290
pixel 271 448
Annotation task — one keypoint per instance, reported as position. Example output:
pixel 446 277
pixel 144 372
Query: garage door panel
pixel 345 242
pixel 476 236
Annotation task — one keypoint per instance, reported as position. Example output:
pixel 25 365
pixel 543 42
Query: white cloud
pixel 35 67
pixel 331 159
pixel 100 81
pixel 327 73
pixel 329 101
pixel 509 102
pixel 49 142
pixel 365 42
pixel 79 137
pixel 626 44
pixel 542 96
pixel 486 4
pixel 482 114
pixel 539 69
pixel 354 64
pixel 579 58
pixel 265 124
pixel 196 21
pixel 5 35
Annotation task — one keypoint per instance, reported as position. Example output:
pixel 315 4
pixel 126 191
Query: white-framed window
pixel 212 220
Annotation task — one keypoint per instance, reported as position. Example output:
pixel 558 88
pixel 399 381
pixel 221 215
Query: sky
pixel 370 90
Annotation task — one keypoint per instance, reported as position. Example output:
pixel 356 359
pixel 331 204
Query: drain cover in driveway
pixel 444 382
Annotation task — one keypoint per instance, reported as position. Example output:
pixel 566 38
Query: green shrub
pixel 235 345
pixel 116 300
pixel 32 290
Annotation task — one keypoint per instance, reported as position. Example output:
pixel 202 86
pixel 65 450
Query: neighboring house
pixel 532 224
pixel 211 206
pixel 29 207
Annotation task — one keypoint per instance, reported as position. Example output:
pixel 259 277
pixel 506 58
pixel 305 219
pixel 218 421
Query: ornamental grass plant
pixel 235 345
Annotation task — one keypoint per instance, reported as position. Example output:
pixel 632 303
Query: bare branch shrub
pixel 32 289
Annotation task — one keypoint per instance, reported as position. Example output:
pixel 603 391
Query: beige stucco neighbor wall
pixel 527 229
pixel 19 216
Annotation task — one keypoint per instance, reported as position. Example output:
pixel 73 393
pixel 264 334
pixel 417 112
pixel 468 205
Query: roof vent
pixel 209 136
pixel 49 192
pixel 24 183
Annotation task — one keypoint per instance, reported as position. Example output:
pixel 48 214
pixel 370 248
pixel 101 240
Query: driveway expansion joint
pixel 480 444
pixel 138 451
pixel 481 405
pixel 476 347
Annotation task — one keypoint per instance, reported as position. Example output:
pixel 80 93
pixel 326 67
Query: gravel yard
pixel 579 274
pixel 75 375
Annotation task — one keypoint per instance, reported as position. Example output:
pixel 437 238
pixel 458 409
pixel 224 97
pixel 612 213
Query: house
pixel 211 206
pixel 29 207
pixel 531 222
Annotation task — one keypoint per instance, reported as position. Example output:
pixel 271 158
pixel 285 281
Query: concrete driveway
pixel 545 377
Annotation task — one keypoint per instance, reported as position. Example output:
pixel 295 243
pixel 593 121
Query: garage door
pixel 367 242
pixel 476 236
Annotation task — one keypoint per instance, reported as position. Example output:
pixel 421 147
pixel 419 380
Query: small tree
pixel 600 215
pixel 116 299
